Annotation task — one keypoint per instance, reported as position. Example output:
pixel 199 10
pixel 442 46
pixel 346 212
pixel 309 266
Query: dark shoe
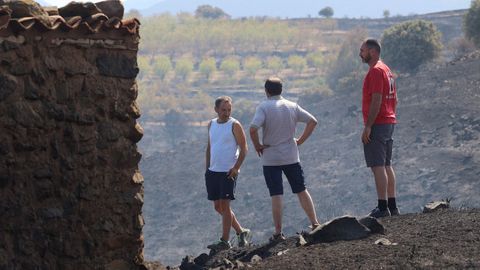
pixel 220 245
pixel 277 238
pixel 244 238
pixel 377 213
pixel 394 212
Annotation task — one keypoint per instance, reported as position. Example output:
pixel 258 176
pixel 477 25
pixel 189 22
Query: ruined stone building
pixel 71 193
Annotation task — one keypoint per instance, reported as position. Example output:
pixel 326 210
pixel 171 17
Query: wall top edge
pixel 106 16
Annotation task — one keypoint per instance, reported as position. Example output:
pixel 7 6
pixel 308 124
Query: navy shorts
pixel 219 186
pixel 294 174
pixel 378 152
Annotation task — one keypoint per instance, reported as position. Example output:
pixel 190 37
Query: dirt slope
pixel 446 239
pixel 443 240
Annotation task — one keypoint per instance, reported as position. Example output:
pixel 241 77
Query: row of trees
pixel 187 34
pixel 161 65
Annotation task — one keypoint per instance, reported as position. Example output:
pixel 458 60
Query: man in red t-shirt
pixel 379 101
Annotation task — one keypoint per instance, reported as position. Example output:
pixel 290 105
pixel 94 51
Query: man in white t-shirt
pixel 226 151
pixel 278 118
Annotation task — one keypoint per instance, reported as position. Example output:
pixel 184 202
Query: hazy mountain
pixel 299 8
pixel 43 3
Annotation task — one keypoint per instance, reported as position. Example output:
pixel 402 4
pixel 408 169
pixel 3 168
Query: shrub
pixel 348 60
pixel 162 66
pixel 408 45
pixel 326 12
pixel 209 12
pixel 251 65
pixel 275 64
pixel 230 66
pixel 471 23
pixel 315 59
pixel 297 63
pixel 183 67
pixel 207 67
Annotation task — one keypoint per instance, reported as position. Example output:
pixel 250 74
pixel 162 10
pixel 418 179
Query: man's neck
pixel 221 121
pixel 373 62
pixel 275 97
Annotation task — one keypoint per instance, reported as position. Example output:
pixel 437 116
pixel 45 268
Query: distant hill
pixel 436 155
pixel 299 8
pixel 43 3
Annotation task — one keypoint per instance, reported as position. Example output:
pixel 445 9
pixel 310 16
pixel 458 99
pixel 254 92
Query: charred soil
pixel 445 239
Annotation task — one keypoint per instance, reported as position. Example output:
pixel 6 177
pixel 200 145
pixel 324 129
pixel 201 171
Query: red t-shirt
pixel 379 79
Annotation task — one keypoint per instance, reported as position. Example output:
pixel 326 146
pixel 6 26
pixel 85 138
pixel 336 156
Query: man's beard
pixel 366 59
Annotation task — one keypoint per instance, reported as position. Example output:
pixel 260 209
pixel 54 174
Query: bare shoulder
pixel 237 124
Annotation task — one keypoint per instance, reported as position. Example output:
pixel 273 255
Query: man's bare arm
pixel 307 131
pixel 256 141
pixel 207 152
pixel 372 115
pixel 240 137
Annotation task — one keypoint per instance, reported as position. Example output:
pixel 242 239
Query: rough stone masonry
pixel 71 193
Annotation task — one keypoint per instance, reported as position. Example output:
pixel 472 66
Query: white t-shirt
pixel 278 118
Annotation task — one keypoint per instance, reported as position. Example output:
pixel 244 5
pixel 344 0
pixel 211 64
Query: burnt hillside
pixel 411 241
pixel 436 155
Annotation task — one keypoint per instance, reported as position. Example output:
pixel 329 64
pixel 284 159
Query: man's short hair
pixel 373 44
pixel 273 86
pixel 221 99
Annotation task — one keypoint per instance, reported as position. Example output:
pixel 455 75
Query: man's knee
pixel 224 206
pixel 378 169
pixel 218 208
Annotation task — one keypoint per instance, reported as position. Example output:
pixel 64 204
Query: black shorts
pixel 294 174
pixel 219 186
pixel 378 152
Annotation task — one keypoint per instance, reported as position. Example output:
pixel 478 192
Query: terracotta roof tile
pixel 82 17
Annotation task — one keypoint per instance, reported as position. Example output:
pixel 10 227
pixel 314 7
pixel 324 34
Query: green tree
pixel 230 66
pixel 408 45
pixel 183 67
pixel 348 66
pixel 315 59
pixel 386 13
pixel 471 23
pixel 207 67
pixel 275 64
pixel 326 12
pixel 209 12
pixel 251 65
pixel 297 63
pixel 162 66
pixel 133 13
pixel 144 66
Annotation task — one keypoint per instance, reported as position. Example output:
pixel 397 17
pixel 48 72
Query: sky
pixel 295 8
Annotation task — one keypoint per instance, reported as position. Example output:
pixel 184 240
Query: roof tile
pixel 89 17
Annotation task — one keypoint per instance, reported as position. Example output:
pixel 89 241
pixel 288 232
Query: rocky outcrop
pixel 339 229
pixel 71 191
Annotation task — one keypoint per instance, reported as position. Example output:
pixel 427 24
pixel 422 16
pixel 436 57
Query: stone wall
pixel 71 193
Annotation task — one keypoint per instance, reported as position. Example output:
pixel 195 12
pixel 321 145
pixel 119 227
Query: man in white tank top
pixel 226 151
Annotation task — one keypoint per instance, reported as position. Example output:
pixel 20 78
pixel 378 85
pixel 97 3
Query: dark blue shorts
pixel 378 152
pixel 219 186
pixel 294 174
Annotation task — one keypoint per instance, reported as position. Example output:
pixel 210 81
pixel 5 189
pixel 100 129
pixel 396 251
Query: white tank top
pixel 223 146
